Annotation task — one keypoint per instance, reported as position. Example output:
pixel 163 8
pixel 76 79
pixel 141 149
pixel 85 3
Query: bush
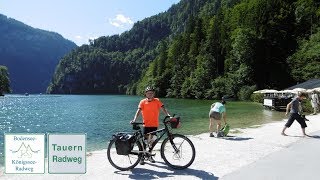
pixel 306 106
pixel 218 89
pixel 257 97
pixel 245 92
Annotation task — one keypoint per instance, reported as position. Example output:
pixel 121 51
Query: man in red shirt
pixel 150 108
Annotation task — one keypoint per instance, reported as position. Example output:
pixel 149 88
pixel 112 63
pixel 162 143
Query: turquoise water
pixel 100 116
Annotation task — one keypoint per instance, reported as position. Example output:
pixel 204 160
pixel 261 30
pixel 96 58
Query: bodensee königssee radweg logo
pixel 24 153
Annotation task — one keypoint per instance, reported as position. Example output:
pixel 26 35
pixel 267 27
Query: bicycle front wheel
pixel 178 151
pixel 124 162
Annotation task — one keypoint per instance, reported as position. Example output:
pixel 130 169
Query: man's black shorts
pixel 149 129
pixel 296 116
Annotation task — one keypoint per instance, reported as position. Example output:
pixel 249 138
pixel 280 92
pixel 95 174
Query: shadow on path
pixel 234 138
pixel 142 173
pixel 314 136
pixel 309 136
pixel 294 136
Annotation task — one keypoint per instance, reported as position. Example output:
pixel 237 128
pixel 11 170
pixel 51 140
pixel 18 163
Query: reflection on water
pixel 273 115
pixel 267 113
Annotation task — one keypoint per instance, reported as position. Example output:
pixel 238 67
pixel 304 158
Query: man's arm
pixel 136 115
pixel 165 111
pixel 288 108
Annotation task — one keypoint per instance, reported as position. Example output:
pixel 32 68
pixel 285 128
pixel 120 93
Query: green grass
pixel 194 114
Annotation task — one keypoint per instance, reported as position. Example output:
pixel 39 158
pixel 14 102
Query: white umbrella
pixel 317 89
pixel 259 91
pixel 309 90
pixel 297 90
pixel 266 91
pixel 271 91
pixel 286 91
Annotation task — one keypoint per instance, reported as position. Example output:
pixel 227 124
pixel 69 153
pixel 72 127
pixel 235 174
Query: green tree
pixel 239 64
pixel 201 78
pixel 4 80
pixel 305 63
pixel 307 17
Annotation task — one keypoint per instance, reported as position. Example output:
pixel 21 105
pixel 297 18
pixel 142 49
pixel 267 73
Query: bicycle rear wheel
pixel 178 153
pixel 124 162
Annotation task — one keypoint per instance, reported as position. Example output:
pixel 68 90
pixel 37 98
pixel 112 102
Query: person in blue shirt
pixel 295 110
pixel 216 113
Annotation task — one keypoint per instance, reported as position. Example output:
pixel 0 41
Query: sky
pixel 81 20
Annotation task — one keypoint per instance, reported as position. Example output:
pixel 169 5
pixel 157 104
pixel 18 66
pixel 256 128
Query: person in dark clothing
pixel 295 108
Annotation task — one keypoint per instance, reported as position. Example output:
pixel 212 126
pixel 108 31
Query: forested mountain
pixel 201 49
pixel 30 54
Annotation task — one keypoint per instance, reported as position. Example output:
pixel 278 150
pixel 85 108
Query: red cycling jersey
pixel 150 111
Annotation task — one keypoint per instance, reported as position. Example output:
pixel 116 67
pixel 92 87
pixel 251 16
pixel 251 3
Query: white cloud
pixel 114 24
pixel 80 40
pixel 120 21
pixel 78 37
pixel 93 37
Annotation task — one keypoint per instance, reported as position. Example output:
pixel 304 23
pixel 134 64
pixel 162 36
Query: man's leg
pixel 218 125
pixel 218 128
pixel 149 138
pixel 303 125
pixel 304 131
pixel 283 131
pixel 211 123
pixel 288 124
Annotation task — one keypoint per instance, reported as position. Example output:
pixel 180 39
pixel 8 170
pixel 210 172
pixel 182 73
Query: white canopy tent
pixel 266 91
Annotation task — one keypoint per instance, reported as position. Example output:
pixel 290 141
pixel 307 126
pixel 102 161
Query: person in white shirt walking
pixel 315 102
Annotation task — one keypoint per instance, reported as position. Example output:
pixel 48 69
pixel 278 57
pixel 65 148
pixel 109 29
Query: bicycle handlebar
pixel 137 123
pixel 164 120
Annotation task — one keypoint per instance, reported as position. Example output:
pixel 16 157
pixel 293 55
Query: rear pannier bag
pixel 124 143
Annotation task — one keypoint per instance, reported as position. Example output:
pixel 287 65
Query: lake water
pixel 102 115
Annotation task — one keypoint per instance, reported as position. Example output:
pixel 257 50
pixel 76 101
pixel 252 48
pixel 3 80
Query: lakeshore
pixel 215 157
pixel 100 116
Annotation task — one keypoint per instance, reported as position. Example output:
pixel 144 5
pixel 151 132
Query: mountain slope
pixel 201 49
pixel 113 64
pixel 30 54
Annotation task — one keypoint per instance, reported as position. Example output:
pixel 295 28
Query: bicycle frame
pixel 140 137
